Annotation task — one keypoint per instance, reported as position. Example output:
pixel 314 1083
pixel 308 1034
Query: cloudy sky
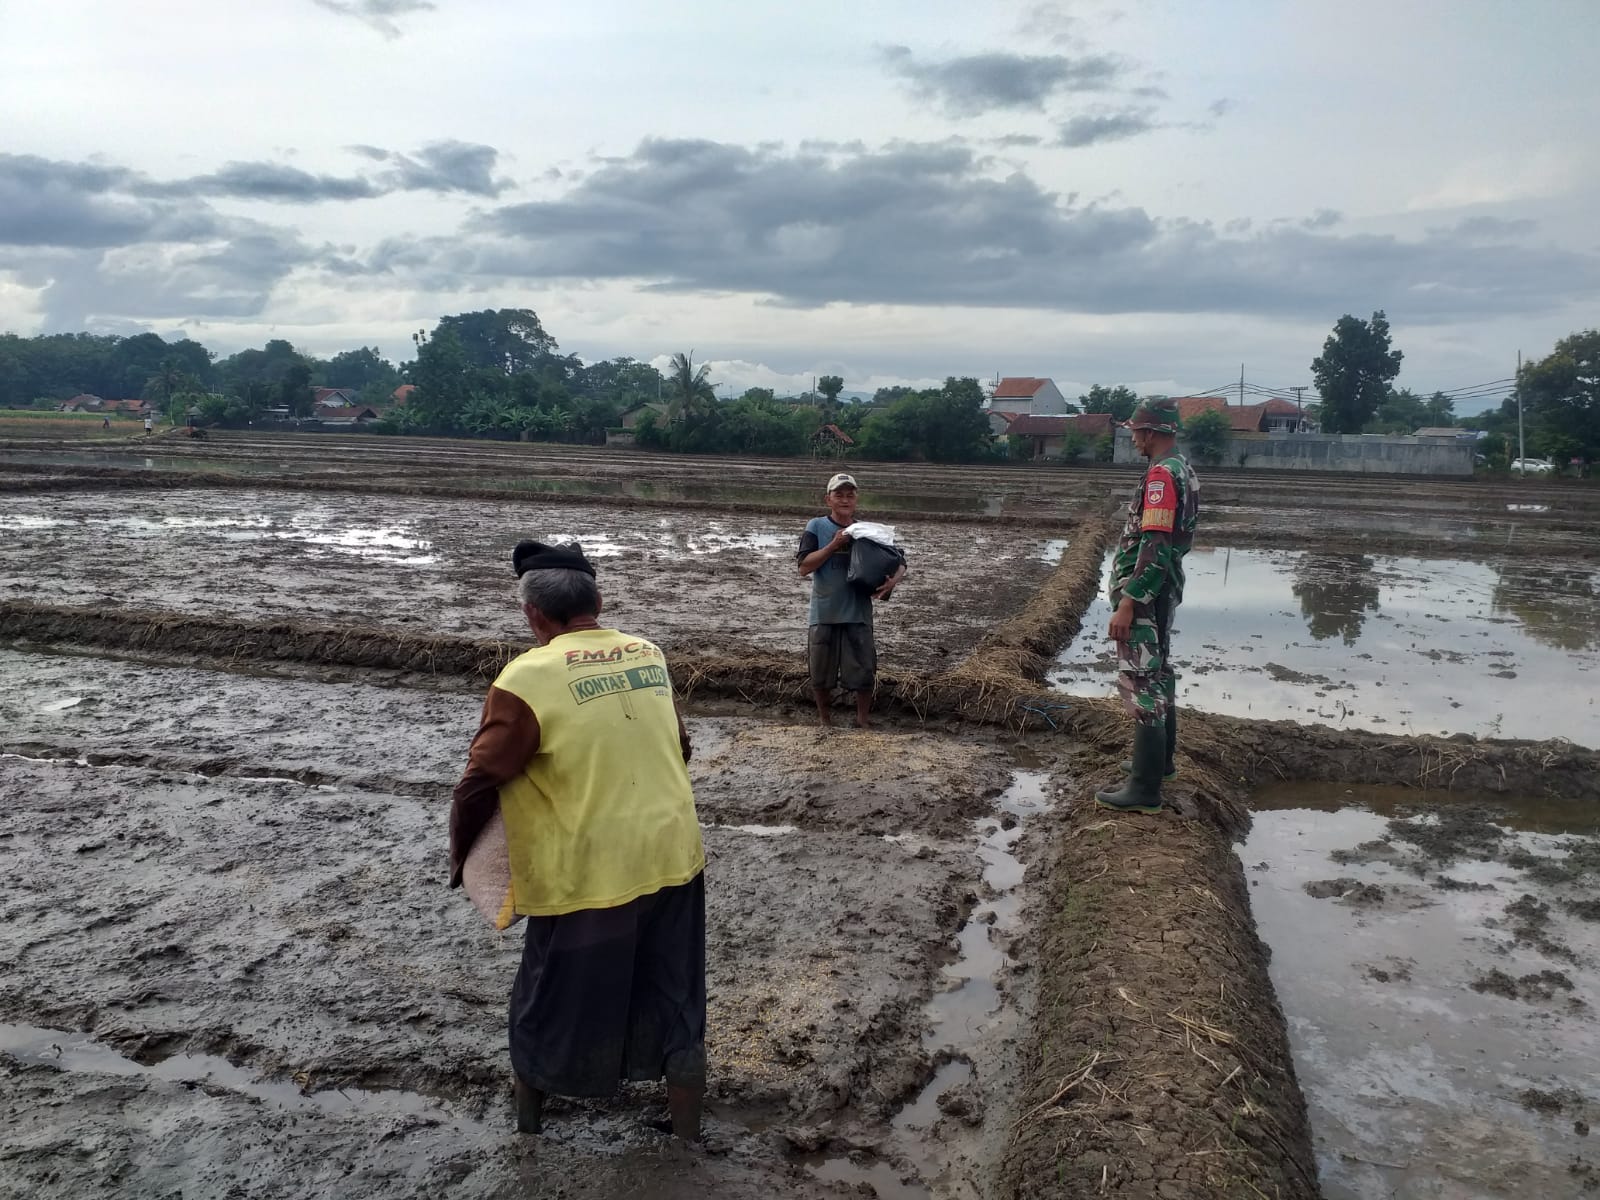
pixel 1140 192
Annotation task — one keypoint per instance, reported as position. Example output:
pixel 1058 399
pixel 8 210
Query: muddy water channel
pixel 1403 645
pixel 1438 960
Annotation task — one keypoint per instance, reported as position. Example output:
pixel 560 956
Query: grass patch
pixel 15 421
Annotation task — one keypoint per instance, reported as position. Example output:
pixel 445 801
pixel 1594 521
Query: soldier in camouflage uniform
pixel 1146 587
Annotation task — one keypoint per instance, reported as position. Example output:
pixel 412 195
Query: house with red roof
pixel 1027 395
pixel 402 393
pixel 1271 416
pixel 1047 437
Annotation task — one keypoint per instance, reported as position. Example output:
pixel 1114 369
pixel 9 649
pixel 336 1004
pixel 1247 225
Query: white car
pixel 1533 466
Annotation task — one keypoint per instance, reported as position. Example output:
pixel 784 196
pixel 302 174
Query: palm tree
pixel 168 380
pixel 689 390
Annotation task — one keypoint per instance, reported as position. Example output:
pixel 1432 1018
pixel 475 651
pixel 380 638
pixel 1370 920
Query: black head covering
pixel 536 556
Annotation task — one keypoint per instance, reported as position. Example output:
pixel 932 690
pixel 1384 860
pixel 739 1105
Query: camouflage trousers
pixel 1145 677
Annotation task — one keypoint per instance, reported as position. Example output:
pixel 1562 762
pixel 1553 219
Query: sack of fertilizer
pixel 873 555
pixel 486 875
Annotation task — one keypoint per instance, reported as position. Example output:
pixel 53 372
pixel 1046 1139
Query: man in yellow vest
pixel 582 748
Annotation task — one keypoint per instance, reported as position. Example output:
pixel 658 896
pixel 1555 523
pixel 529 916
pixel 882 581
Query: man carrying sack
pixel 840 650
pixel 1146 587
pixel 582 750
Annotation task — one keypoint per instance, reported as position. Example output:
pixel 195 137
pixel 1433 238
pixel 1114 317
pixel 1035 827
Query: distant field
pixel 21 421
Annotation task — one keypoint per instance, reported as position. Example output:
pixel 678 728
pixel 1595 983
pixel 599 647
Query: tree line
pixel 1559 394
pixel 498 373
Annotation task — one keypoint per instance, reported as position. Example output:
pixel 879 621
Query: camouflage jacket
pixel 1157 533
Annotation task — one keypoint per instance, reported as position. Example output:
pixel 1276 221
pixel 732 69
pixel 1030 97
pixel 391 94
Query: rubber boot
pixel 1142 792
pixel 530 1107
pixel 1171 772
pixel 1172 741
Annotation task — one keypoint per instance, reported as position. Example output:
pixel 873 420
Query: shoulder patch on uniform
pixel 1160 500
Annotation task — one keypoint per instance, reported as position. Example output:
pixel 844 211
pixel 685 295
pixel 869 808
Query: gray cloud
pixel 1089 129
pixel 230 276
pixel 1323 218
pixel 979 83
pixel 44 202
pixel 448 166
pixel 103 242
pixel 1049 21
pixel 272 181
pixel 380 14
pixel 1489 229
pixel 48 203
pixel 927 224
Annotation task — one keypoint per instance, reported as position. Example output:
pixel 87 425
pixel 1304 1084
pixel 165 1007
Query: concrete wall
pixel 1357 453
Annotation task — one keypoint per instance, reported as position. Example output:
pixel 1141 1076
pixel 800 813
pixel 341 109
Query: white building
pixel 1026 396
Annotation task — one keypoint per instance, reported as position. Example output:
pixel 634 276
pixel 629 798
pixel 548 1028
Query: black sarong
pixel 608 994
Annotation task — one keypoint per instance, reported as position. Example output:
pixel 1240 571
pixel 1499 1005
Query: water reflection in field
pixel 1420 645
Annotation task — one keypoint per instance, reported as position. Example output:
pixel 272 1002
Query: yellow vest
pixel 603 813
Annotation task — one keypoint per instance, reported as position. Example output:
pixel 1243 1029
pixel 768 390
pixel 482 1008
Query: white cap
pixel 841 480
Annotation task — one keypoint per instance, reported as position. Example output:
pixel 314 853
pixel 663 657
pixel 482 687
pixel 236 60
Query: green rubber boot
pixel 1142 792
pixel 1171 772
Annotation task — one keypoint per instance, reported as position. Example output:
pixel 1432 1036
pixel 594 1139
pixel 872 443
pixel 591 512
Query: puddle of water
pixel 923 1112
pixel 1052 551
pixel 320 528
pixel 1412 1077
pixel 1525 814
pixel 1397 644
pixel 708 537
pixel 760 830
pixel 80 1052
pixel 969 1010
pixel 48 762
pixel 885 1180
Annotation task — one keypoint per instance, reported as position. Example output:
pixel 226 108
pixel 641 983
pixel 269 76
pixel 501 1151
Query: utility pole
pixel 1522 447
pixel 1299 403
pixel 1241 385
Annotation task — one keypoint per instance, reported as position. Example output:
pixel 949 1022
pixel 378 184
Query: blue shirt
pixel 833 600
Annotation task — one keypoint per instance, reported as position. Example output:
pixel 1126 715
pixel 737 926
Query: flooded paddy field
pixel 1409 509
pixel 1371 641
pixel 435 566
pixel 236 966
pixel 1438 961
pixel 936 970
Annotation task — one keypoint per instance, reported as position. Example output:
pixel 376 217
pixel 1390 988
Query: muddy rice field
pixel 1357 957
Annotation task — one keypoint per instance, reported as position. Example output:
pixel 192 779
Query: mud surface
pixel 1443 1029
pixel 235 963
pixel 237 971
pixel 696 582
pixel 1439 646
